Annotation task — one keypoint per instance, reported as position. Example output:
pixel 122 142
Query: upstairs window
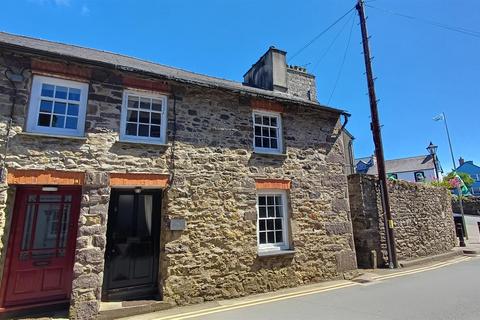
pixel 267 128
pixel 144 117
pixel 419 176
pixel 272 220
pixel 57 106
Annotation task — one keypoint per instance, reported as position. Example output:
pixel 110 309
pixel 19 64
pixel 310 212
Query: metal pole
pixel 460 201
pixel 377 138
pixel 449 141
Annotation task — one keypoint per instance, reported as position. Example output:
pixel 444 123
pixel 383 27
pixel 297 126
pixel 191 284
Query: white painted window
pixel 57 106
pixel 272 218
pixel 267 129
pixel 144 117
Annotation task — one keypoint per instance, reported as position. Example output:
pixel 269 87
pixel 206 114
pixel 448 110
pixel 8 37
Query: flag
pixel 439 117
pixel 458 182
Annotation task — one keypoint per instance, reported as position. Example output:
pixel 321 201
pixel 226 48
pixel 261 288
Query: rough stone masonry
pixel 213 187
pixel 422 216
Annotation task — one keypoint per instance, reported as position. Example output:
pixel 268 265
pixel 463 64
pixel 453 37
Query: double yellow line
pixel 255 302
pixel 423 269
pixel 233 306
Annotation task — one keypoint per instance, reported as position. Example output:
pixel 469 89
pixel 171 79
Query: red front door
pixel 41 247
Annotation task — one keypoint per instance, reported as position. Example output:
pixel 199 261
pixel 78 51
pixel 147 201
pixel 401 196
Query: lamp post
pixel 432 149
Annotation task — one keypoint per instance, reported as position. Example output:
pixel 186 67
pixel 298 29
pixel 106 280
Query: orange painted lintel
pixel 280 184
pixel 45 177
pixel 139 179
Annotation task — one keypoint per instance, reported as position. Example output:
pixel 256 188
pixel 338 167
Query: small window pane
pixel 258 119
pixel 271 237
pixel 258 142
pixel 46 106
pixel 278 224
pixel 265 132
pixel 155 131
pixel 269 224
pixel 156 105
pixel 145 103
pixel 156 118
pixel 132 116
pixel 61 92
pixel 258 130
pixel 144 117
pixel 58 121
pixel 265 143
pixel 270 200
pixel 74 94
pixel 266 120
pixel 47 90
pixel 273 132
pixel 274 143
pixel 263 237
pixel 261 225
pixel 271 211
pixel 279 210
pixel 133 102
pixel 60 107
pixel 73 109
pixel 278 200
pixel 131 129
pixel 71 123
pixel 143 130
pixel 279 236
pixel 261 201
pixel 273 121
pixel 262 212
pixel 44 120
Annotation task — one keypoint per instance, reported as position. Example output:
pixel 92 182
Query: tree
pixel 465 177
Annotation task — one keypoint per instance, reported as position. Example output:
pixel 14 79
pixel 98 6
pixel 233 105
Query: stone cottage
pixel 128 180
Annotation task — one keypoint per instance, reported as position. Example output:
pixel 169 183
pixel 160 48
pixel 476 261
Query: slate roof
pixel 406 164
pixel 127 63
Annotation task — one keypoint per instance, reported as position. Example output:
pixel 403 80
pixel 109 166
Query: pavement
pixel 438 290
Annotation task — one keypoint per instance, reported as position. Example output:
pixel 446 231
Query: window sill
pixel 263 254
pixel 147 143
pixel 46 135
pixel 272 154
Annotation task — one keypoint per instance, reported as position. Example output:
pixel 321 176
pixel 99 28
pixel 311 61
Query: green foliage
pixel 465 177
pixel 444 183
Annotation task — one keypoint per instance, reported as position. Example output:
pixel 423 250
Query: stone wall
pixel 422 217
pixel 471 205
pixel 301 84
pixel 213 189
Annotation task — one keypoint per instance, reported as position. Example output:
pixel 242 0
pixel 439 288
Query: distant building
pixel 414 169
pixel 474 171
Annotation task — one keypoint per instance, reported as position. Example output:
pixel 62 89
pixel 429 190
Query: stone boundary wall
pixel 422 217
pixel 471 205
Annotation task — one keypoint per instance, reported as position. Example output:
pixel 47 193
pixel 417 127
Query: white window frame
pixel 164 117
pixel 285 245
pixel 278 115
pixel 34 106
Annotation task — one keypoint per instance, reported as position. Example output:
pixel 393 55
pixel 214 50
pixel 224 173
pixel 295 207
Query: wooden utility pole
pixel 377 139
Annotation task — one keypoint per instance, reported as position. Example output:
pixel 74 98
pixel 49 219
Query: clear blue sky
pixel 422 70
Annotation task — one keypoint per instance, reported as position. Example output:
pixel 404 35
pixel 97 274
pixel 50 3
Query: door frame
pixel 118 294
pixel 20 195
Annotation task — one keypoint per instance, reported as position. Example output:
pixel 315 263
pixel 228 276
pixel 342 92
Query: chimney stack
pixel 461 161
pixel 271 72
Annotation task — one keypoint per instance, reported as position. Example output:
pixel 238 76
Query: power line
pixel 325 52
pixel 343 63
pixel 462 30
pixel 320 34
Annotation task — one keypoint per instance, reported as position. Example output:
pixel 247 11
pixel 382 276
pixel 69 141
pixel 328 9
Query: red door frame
pixel 20 204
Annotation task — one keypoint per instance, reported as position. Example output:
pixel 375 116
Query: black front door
pixel 133 233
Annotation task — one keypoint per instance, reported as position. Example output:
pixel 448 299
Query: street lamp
pixel 432 149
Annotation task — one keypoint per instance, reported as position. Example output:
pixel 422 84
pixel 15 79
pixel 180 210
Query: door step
pixel 115 310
